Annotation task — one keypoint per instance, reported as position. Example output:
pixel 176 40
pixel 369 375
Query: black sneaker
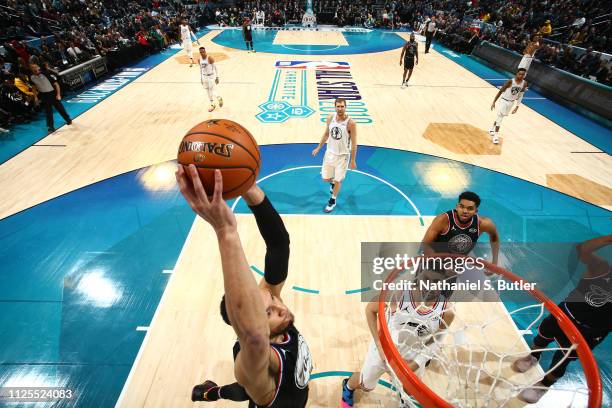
pixel 330 205
pixel 202 392
pixel 51 129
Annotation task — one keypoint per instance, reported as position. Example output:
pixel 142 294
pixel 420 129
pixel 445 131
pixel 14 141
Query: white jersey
pixel 413 323
pixel 206 68
pixel 511 93
pixel 185 33
pixel 339 141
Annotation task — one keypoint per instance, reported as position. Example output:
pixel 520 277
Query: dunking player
pixel 410 55
pixel 209 76
pixel 341 150
pixel 186 35
pixel 415 326
pixel 529 53
pixel 272 362
pixel 589 307
pixel 513 90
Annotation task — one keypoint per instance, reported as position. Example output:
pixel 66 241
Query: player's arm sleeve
pixel 276 237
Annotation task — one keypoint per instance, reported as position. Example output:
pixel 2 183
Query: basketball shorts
pixel 208 82
pixel 549 329
pixel 408 63
pixel 525 62
pixel 188 47
pixel 504 109
pixel 334 166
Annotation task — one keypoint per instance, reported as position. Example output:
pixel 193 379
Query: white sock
pixel 333 197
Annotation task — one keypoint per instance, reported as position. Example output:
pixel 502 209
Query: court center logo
pixel 288 98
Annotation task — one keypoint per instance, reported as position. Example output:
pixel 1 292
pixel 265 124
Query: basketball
pixel 225 145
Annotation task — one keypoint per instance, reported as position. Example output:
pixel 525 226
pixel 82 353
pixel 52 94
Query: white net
pixel 469 362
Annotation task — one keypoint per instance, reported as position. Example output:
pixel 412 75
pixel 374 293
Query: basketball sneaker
pixel 523 364
pixel 347 395
pixel 212 107
pixel 207 391
pixel 533 395
pixel 220 99
pixel 330 205
pixel 495 139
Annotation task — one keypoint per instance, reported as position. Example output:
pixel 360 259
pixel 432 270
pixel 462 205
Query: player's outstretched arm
pixel 488 226
pixel 243 302
pixel 596 265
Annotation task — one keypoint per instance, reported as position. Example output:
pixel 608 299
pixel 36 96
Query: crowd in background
pixel 74 31
pixel 512 25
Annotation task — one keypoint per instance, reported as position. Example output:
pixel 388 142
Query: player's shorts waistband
pixel 508 100
pixel 208 74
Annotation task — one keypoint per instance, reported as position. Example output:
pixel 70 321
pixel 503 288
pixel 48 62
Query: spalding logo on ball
pixel 225 145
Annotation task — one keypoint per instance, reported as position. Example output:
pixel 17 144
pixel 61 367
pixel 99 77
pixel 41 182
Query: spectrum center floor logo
pixel 288 96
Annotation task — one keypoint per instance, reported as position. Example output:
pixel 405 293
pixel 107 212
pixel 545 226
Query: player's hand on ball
pixel 353 164
pixel 214 210
pixel 315 151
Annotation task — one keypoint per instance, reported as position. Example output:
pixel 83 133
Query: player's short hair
pixel 223 310
pixel 340 100
pixel 521 69
pixel 470 196
pixel 202 48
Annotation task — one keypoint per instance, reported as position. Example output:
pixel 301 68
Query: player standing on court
pixel 410 53
pixel 341 137
pixel 272 362
pixel 186 35
pixel 513 90
pixel 247 33
pixel 209 76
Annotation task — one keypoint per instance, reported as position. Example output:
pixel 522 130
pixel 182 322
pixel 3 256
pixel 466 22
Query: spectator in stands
pixel 546 29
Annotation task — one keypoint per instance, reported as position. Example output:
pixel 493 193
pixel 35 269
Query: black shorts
pixel 408 63
pixel 549 329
